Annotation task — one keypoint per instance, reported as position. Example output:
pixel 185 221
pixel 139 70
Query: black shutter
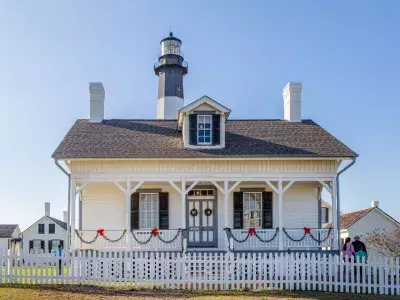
pixel 163 211
pixel 30 245
pixel 193 129
pixel 62 244
pixel 135 211
pixel 49 242
pixel 267 210
pixel 216 119
pixel 326 215
pixel 238 210
pixel 42 245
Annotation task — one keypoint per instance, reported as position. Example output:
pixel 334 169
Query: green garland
pixel 86 242
pixel 311 236
pixel 229 235
pixel 97 236
pixel 292 239
pixel 141 242
pixel 180 232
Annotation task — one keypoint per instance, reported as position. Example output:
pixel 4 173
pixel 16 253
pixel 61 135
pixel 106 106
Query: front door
pixel 201 219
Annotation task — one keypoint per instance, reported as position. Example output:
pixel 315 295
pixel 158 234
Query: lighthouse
pixel 170 70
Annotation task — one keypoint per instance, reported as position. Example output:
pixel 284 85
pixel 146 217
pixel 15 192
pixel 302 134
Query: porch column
pixel 280 210
pixel 128 214
pixel 183 199
pixel 335 216
pixel 73 212
pixel 226 207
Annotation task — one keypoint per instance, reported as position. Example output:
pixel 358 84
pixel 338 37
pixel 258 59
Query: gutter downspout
pixel 338 197
pixel 69 204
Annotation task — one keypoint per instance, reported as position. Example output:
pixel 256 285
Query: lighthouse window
pixel 204 129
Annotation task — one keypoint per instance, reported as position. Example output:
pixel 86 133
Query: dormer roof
pixel 199 103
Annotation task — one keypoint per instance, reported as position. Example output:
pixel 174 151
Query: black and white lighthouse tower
pixel 170 70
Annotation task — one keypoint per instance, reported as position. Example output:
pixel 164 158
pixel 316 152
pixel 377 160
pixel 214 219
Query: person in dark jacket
pixel 357 244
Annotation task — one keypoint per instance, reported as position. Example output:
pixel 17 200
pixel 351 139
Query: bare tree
pixel 385 242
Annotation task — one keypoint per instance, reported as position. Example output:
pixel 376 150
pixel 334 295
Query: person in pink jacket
pixel 348 249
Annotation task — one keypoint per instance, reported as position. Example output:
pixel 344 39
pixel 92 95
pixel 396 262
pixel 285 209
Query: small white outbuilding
pixel 45 235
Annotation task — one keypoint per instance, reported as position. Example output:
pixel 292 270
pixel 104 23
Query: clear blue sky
pixel 241 53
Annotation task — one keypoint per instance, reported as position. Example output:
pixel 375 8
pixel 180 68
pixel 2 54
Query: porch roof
pixel 118 138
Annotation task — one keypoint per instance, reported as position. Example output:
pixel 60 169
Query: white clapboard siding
pixel 205 271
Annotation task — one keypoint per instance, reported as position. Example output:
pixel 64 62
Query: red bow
pixel 252 231
pixel 307 230
pixel 154 232
pixel 100 232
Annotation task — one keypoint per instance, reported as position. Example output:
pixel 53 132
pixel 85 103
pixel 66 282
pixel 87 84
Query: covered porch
pixel 221 213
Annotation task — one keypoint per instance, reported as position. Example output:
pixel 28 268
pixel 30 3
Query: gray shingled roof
pixel 59 222
pixel 6 230
pixel 160 139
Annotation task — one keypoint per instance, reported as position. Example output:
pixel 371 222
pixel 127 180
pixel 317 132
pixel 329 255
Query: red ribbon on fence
pixel 100 232
pixel 307 230
pixel 252 231
pixel 154 232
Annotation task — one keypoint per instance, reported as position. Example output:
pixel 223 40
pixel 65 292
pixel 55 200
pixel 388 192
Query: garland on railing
pixel 100 232
pixel 308 231
pixel 155 233
pixel 251 232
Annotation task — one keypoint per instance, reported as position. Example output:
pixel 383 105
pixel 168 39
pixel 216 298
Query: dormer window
pixel 204 127
pixel 203 124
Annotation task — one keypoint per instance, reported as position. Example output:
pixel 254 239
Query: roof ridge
pixel 356 211
pixel 56 219
pixel 175 120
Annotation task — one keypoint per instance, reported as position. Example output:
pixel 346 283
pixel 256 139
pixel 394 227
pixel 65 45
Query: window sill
pixel 204 146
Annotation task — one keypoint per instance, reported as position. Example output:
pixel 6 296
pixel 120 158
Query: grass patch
pixel 75 292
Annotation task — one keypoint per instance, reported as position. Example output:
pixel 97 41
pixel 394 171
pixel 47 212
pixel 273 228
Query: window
pixel 52 228
pixel 54 245
pixel 37 245
pixel 41 228
pixel 204 129
pixel 201 192
pixel 148 210
pixel 324 215
pixel 252 207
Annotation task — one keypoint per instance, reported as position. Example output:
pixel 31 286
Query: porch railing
pixel 265 238
pixel 91 239
pixel 137 240
pixel 317 238
pixel 170 239
pixel 241 239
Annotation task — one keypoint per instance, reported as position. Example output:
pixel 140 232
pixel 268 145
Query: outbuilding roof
pixel 6 230
pixel 118 138
pixel 349 219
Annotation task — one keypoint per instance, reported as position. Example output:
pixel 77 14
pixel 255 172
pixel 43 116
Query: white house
pixel 194 178
pixel 9 236
pixel 44 235
pixel 366 221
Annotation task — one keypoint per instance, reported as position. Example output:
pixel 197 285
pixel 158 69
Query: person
pixel 356 243
pixel 347 249
pixel 59 252
pixel 360 254
pixel 359 259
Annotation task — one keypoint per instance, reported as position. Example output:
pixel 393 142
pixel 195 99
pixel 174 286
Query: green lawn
pixel 75 292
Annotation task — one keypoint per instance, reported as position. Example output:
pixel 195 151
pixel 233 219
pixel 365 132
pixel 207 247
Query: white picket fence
pixel 205 271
